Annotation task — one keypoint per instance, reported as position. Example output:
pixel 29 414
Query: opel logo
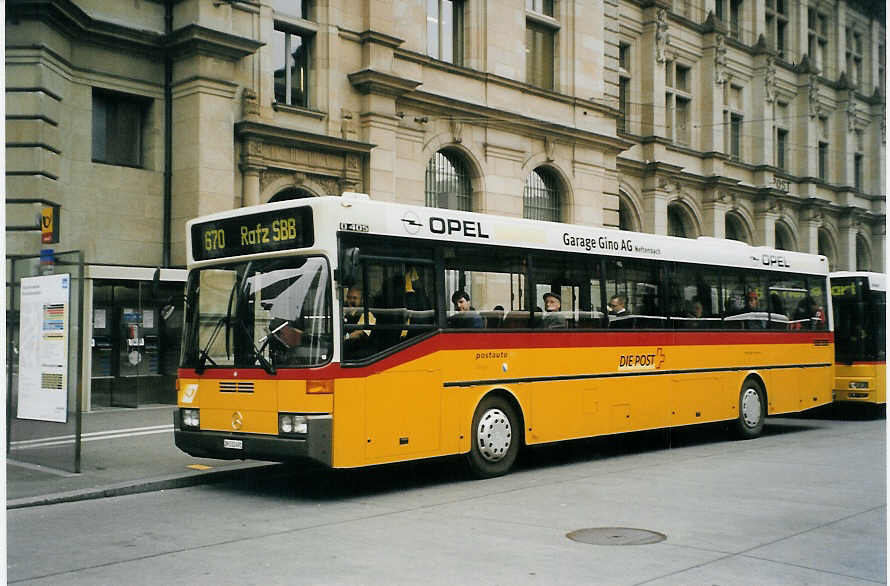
pixel 237 420
pixel 411 223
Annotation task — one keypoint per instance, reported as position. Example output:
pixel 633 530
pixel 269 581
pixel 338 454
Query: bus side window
pixel 635 294
pixel 695 296
pixel 494 282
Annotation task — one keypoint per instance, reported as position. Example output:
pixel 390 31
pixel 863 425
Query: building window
pixel 854 57
pixel 823 161
pixel 624 70
pixel 857 171
pixel 776 24
pixel 677 102
pixel 290 54
pixel 826 247
pixel 540 51
pixel 544 7
pixel 290 193
pixel 679 223
pixel 445 30
pixel 817 39
pixel 296 8
pixel 734 228
pixel 863 255
pixel 541 198
pixel 627 218
pixel 733 120
pixel 733 10
pixel 784 239
pixel 118 128
pixel 782 149
pixel 448 182
pixel 735 136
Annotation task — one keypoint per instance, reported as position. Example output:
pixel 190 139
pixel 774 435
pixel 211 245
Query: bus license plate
pixel 232 444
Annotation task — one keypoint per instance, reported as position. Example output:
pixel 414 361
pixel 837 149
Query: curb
pixel 171 481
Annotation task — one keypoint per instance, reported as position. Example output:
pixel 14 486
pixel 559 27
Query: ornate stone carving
pixel 457 128
pixel 851 111
pixel 720 60
pixel 250 106
pixel 347 125
pixel 662 36
pixel 769 79
pixel 813 96
pixel 549 148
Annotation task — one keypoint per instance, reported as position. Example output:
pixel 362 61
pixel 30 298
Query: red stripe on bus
pixel 862 363
pixel 489 341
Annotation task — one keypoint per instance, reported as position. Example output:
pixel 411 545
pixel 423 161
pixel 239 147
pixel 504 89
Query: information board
pixel 43 348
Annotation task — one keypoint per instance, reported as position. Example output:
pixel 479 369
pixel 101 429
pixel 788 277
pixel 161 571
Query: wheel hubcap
pixel 751 407
pixel 494 435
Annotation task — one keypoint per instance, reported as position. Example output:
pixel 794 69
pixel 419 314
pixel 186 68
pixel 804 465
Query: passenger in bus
pixel 695 315
pixel 466 316
pixel 752 306
pixel 354 314
pixel 618 305
pixel 808 315
pixel 553 316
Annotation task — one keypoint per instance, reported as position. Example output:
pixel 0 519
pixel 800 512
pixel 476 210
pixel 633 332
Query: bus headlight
pixel 292 424
pixel 191 419
pixel 859 384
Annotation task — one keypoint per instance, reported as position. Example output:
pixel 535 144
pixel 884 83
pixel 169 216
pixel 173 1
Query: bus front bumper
pixel 221 445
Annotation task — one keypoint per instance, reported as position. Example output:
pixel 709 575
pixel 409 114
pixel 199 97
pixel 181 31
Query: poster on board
pixel 43 348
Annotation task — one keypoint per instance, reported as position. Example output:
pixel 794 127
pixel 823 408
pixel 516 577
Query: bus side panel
pixel 403 414
pixel 349 423
pixel 696 398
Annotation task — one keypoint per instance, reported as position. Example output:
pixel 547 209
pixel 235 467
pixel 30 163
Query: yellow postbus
pixel 859 300
pixel 355 332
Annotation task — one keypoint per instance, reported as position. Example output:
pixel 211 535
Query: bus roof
pixel 359 214
pixel 876 281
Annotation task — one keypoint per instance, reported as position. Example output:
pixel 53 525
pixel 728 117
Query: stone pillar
pixel 879 246
pixel 714 209
pixel 713 82
pixel 767 213
pixel 811 221
pixel 654 43
pixel 655 198
pixel 761 126
pixel 846 253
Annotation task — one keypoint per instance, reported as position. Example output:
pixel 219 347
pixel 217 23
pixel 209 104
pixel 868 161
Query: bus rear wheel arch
pixel 752 409
pixel 495 436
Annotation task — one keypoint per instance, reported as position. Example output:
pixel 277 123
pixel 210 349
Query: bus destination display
pixel 263 232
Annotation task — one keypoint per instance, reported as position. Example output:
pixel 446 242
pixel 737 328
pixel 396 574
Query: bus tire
pixel 752 410
pixel 494 438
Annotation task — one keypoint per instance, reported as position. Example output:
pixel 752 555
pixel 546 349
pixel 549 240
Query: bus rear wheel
pixel 494 438
pixel 752 410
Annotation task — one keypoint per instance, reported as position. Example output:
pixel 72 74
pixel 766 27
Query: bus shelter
pixel 44 374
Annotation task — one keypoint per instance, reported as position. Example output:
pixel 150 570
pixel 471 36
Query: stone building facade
pixel 758 120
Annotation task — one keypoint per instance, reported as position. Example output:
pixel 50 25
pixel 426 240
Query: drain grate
pixel 616 536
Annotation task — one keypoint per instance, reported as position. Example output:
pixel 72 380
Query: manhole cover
pixel 616 536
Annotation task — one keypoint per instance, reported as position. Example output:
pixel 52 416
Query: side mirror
pixel 350 267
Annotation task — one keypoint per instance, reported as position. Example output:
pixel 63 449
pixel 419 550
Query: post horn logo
pixel 411 223
pixel 237 420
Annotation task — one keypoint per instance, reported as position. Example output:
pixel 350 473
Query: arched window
pixel 448 182
pixel 826 248
pixel 541 198
pixel 290 193
pixel 680 224
pixel 784 238
pixel 627 218
pixel 863 254
pixel 735 229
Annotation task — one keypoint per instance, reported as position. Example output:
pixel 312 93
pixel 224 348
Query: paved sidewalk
pixel 123 451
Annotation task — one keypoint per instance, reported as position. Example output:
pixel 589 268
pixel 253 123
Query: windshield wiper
pixel 203 355
pixel 258 353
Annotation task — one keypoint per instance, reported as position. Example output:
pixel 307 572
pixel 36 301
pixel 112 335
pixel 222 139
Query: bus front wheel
pixel 494 438
pixel 752 410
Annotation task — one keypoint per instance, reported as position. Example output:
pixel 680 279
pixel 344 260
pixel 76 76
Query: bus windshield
pixel 270 313
pixel 859 316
